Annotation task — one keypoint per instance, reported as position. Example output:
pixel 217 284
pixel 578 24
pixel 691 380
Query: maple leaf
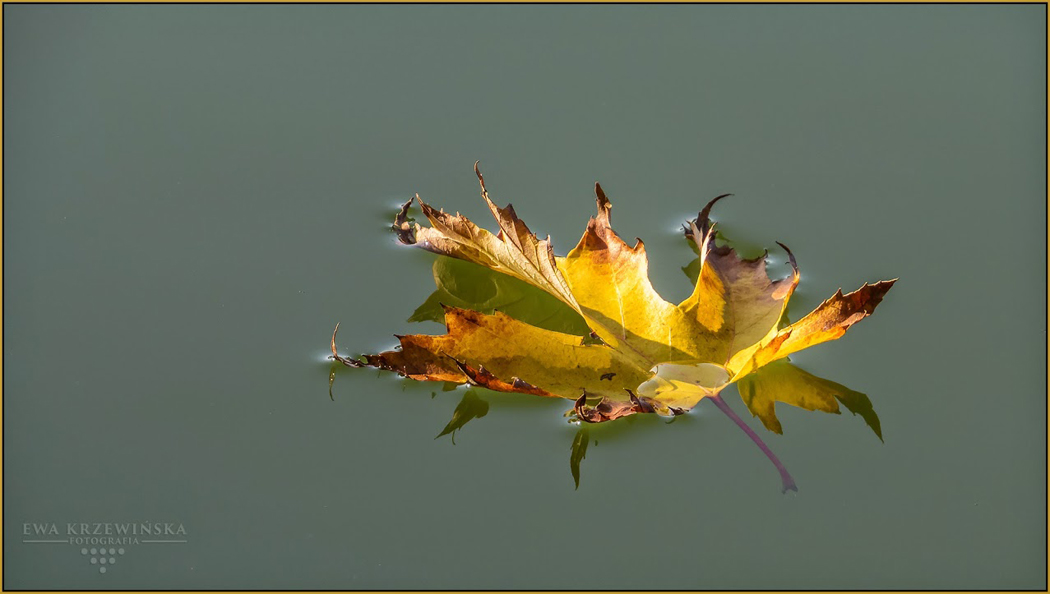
pixel 641 354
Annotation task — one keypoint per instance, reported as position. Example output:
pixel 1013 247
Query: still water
pixel 195 195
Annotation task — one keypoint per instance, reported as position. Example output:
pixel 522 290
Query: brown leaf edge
pixel 467 374
pixel 606 410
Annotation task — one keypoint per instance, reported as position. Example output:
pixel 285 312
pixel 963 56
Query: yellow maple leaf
pixel 643 354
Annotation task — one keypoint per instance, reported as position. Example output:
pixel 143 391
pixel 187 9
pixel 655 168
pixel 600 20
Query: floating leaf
pixel 613 345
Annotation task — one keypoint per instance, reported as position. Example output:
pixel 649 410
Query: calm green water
pixel 195 195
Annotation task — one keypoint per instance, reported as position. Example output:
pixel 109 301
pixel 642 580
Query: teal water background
pixel 195 195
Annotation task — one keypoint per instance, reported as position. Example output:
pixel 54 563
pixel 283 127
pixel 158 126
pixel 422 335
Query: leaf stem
pixel 785 477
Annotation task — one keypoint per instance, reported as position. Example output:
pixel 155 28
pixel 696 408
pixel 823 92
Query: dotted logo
pixel 103 543
pixel 102 556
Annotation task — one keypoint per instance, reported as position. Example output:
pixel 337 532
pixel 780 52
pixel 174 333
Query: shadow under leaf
pixel 579 452
pixel 471 286
pixel 781 381
pixel 469 408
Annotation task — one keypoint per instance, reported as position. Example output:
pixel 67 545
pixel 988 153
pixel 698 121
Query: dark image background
pixel 195 195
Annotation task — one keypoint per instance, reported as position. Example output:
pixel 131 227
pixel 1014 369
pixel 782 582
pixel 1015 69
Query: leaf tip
pixel 703 218
pixel 335 353
pixel 599 193
pixel 791 259
pixel 481 180
pixel 604 204
pixel 406 233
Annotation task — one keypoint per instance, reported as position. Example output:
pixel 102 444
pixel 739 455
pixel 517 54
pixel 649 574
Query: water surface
pixel 195 195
